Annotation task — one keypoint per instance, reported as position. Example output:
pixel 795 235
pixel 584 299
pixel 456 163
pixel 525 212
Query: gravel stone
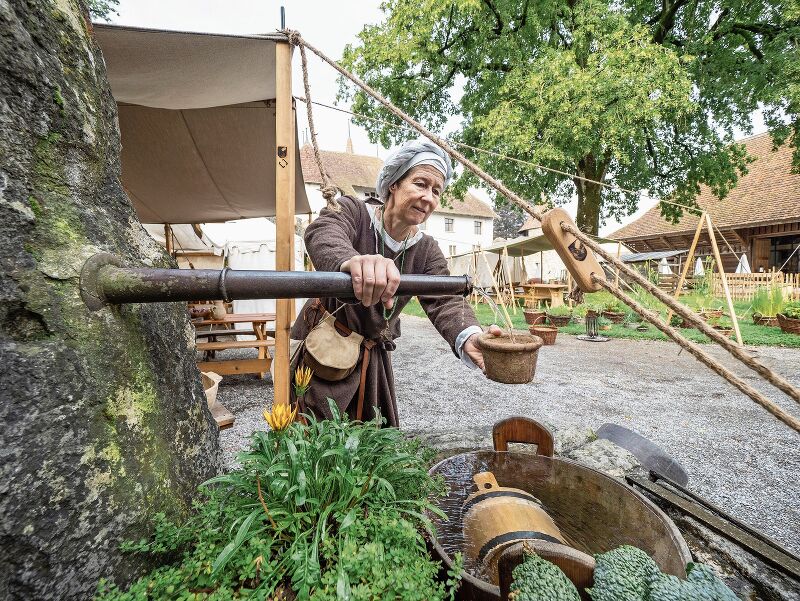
pixel 737 455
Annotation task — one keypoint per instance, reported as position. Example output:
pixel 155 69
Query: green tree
pixel 643 93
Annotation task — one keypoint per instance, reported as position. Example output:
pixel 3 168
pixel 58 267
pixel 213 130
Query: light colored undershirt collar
pixel 393 244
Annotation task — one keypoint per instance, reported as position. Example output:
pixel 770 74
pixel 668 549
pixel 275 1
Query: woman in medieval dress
pixel 375 243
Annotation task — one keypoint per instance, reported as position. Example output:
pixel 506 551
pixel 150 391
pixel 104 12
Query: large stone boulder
pixel 104 420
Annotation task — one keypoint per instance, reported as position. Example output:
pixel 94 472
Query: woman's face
pixel 413 198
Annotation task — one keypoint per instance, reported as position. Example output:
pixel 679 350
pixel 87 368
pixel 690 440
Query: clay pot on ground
pixel 533 316
pixel 546 333
pixel 724 330
pixel 710 313
pixel 507 361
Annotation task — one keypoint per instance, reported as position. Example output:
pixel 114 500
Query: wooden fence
pixel 743 286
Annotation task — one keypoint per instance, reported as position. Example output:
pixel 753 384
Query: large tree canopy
pixel 645 94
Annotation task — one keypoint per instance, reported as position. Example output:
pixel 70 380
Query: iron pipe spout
pixel 104 280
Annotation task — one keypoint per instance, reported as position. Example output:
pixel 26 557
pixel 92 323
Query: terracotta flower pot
pixel 546 333
pixel 532 317
pixel 510 362
pixel 711 313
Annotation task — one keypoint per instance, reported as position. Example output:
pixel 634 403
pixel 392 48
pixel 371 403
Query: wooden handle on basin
pixel 525 430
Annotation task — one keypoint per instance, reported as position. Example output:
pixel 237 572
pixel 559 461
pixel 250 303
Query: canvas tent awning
pixel 197 119
pixel 527 245
pixel 651 256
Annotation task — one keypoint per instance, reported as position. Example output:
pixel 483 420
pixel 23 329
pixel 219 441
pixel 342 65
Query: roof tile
pixel 768 193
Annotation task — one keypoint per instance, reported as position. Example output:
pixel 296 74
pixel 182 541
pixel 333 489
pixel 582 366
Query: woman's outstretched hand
pixel 375 278
pixel 472 350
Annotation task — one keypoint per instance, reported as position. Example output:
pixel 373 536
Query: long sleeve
pixel 450 315
pixel 331 237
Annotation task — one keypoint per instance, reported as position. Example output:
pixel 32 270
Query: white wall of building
pixel 463 237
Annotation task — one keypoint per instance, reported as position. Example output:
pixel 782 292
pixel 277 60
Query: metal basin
pixel 595 512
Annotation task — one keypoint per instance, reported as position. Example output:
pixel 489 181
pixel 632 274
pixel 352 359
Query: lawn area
pixel 752 334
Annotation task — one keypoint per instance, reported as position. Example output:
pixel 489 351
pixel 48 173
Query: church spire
pixel 349 147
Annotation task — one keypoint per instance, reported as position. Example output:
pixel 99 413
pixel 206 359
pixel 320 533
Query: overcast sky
pixel 328 25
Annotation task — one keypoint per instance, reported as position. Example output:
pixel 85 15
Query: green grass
pixel 752 335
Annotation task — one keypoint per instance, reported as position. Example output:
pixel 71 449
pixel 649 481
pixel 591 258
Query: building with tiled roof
pixel 760 217
pixel 458 225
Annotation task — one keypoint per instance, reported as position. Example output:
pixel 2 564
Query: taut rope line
pixel 703 357
pixel 764 371
pixel 328 189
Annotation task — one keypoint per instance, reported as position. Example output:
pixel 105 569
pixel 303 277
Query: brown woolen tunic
pixel 330 241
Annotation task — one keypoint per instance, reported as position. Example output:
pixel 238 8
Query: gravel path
pixel 736 454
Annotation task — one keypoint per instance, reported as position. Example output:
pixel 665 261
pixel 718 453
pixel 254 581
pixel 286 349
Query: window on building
pixel 448 224
pixel 478 225
pixel 371 194
pixel 452 249
pixel 783 253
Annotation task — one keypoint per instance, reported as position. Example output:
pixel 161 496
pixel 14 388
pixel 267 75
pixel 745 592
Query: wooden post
pixel 499 296
pixel 569 289
pixel 724 280
pixel 284 212
pixel 510 276
pixel 169 241
pixel 688 261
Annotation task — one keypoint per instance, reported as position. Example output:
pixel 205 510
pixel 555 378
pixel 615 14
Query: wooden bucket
pixel 495 517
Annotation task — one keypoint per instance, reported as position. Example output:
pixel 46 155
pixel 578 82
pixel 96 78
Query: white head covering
pixel 411 154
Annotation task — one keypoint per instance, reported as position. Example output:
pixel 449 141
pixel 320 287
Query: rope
pixel 506 157
pixel 690 316
pixel 702 356
pixel 765 372
pixel 329 191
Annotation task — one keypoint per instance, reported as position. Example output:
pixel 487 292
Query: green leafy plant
pixel 792 310
pixel 320 508
pixel 768 301
pixel 580 310
pixel 613 307
pixel 561 311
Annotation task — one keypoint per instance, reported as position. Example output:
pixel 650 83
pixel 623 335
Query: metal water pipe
pixel 106 280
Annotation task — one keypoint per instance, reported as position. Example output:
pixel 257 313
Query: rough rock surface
pixel 104 417
pixel 605 456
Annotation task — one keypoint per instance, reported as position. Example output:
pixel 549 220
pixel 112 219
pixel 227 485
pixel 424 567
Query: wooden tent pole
pixel 724 279
pixel 284 211
pixel 688 261
pixel 510 277
pixel 168 240
pixel 499 295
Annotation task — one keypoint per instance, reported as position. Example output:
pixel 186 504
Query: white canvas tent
pixel 208 135
pixel 744 264
pixel 250 244
pixel 197 120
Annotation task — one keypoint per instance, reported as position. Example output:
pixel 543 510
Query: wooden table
pixel 552 293
pixel 225 326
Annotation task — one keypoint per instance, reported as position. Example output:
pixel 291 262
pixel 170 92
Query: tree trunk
pixel 104 420
pixel 590 199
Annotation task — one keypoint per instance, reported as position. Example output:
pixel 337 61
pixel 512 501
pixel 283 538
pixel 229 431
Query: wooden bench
pixel 228 344
pixel 230 367
pixel 215 333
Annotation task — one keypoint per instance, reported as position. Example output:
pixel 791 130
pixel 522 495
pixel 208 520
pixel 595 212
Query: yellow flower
pixel 302 379
pixel 281 416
